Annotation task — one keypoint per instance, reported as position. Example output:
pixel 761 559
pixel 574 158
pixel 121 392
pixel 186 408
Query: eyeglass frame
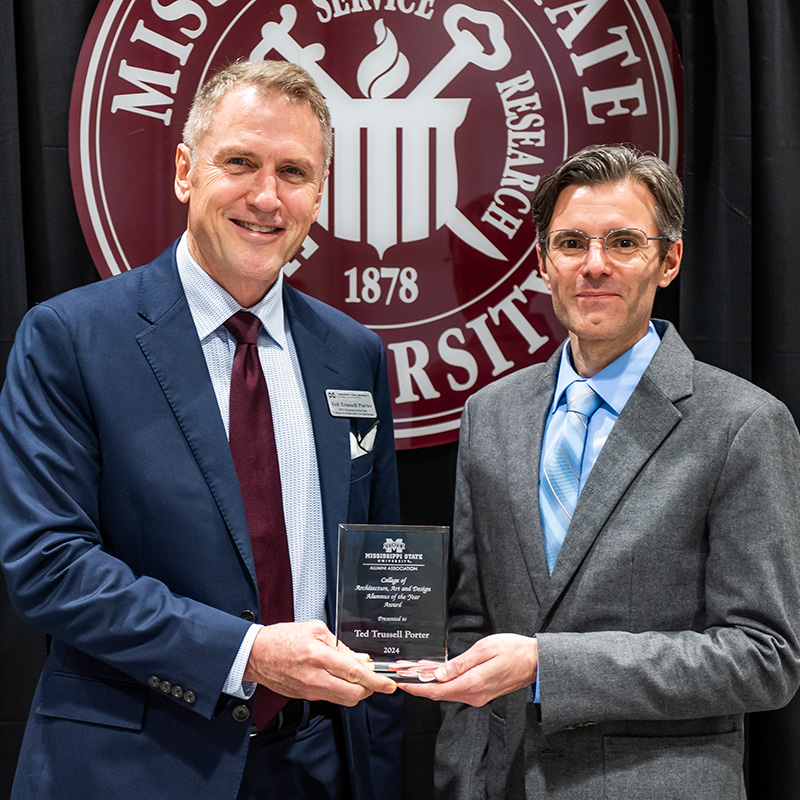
pixel 546 248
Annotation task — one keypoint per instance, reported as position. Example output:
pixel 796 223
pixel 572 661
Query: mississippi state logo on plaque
pixel 446 116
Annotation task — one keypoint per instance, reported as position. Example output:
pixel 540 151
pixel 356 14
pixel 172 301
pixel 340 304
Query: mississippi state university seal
pixel 446 116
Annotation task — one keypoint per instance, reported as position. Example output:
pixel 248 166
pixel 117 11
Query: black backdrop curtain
pixel 734 302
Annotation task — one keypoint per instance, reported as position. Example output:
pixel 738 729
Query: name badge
pixel 350 404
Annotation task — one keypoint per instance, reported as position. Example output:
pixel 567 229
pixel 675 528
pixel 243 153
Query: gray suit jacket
pixel 673 608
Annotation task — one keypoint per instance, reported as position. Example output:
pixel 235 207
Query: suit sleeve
pixel 55 549
pixel 744 656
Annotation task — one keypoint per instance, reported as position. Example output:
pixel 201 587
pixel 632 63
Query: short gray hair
pixel 270 78
pixel 613 163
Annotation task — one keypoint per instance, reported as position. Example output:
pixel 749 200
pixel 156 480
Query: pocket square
pixel 360 444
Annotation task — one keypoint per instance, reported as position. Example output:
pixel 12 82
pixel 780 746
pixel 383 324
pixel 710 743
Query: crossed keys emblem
pixel 421 111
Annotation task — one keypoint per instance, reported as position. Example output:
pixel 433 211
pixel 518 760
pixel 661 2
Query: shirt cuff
pixel 235 685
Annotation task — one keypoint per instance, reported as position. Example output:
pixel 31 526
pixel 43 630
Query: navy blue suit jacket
pixel 124 534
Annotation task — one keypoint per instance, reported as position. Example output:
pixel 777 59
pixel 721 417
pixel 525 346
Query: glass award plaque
pixel 391 596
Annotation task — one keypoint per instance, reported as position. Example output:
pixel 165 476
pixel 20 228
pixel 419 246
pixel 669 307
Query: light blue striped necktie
pixel 561 470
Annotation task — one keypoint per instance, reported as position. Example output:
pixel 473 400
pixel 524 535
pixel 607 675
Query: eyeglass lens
pixel 624 244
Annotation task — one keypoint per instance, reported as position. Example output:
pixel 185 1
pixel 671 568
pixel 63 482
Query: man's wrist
pixel 235 685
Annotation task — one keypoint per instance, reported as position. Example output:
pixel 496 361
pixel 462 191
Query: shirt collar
pixel 211 305
pixel 616 382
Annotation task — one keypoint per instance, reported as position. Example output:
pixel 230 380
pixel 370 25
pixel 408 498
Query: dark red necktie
pixel 255 456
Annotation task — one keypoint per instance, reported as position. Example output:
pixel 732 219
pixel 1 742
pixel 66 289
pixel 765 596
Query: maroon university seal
pixel 446 116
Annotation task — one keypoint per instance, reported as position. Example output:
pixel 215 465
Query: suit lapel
pixel 648 418
pixel 323 368
pixel 173 351
pixel 523 428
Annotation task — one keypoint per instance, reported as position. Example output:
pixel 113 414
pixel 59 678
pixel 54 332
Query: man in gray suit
pixel 614 619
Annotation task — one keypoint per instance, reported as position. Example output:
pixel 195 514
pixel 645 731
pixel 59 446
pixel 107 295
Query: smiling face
pixel 254 187
pixel 606 307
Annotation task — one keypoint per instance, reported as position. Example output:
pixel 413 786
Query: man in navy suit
pixel 122 525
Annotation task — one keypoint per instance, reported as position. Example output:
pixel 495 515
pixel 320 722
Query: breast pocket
pixel 363 433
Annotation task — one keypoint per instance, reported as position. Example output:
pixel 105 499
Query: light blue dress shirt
pixel 615 384
pixel 211 306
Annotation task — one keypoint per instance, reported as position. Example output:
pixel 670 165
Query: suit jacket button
pixel 241 713
pixel 177 691
pixel 189 696
pixel 154 681
pixel 165 687
pixel 248 615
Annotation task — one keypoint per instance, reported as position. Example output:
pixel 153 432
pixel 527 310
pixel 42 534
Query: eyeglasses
pixel 625 246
